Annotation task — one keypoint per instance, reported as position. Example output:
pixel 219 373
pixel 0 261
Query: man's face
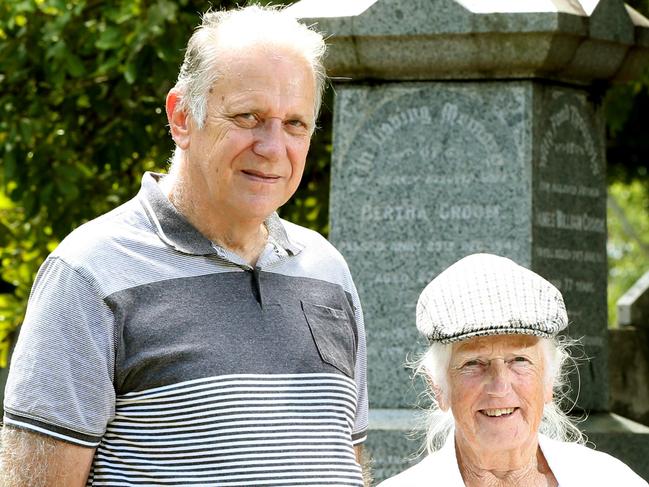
pixel 497 392
pixel 248 158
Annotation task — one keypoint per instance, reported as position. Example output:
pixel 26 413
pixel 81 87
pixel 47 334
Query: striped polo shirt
pixel 183 365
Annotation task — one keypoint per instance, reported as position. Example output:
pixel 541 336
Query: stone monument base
pixel 620 437
pixel 394 439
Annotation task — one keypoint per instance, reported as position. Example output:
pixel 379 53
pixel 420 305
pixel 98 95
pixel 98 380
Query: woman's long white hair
pixel 555 423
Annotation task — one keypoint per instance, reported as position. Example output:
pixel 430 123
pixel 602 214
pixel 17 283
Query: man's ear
pixel 178 120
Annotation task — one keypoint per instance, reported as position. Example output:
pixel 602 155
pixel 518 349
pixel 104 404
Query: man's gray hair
pixel 263 26
pixel 555 423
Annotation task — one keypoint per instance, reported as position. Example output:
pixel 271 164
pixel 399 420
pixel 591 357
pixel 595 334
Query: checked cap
pixel 483 294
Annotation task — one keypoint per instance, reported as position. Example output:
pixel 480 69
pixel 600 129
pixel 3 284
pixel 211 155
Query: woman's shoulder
pixel 440 466
pixel 569 460
pixel 418 474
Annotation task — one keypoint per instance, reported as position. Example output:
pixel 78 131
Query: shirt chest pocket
pixel 333 334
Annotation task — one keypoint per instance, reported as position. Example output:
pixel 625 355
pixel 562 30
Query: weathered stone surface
pixel 397 441
pixel 624 439
pixel 569 224
pixel 629 372
pixel 423 174
pixel 637 58
pixel 457 39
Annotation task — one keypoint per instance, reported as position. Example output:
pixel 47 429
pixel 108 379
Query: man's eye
pixel 296 126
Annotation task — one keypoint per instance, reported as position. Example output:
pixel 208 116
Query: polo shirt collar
pixel 174 229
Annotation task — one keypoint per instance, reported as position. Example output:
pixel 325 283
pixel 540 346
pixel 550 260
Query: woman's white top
pixel 573 465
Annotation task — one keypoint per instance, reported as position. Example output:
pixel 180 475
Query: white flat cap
pixel 483 294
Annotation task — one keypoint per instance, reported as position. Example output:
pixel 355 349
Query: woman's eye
pixel 520 360
pixel 472 363
pixel 246 119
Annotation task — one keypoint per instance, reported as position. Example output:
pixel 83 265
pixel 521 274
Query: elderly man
pixel 191 336
pixel 495 370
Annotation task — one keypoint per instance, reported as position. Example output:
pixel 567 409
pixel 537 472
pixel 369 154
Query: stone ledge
pixel 605 423
pixel 451 39
pixel 620 437
pixel 396 420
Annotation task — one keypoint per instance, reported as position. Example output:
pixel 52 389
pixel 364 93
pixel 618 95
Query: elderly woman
pixel 494 364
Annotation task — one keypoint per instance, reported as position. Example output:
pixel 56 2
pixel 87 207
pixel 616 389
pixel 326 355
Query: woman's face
pixel 496 391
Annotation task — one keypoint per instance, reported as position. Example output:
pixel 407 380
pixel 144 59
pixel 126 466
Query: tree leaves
pixel 110 38
pixel 82 93
pixel 72 114
pixel 628 238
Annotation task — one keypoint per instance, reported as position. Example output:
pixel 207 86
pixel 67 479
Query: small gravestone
pixel 633 306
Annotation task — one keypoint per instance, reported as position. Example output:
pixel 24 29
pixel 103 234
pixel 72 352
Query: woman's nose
pixel 498 383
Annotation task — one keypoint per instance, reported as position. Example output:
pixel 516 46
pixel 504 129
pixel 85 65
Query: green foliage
pixel 626 107
pixel 82 92
pixel 628 238
pixel 82 88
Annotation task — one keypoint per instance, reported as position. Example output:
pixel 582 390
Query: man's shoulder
pixel 303 234
pixel 317 258
pixel 93 239
pixel 311 240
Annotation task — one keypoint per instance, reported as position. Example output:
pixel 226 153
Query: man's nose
pixel 269 139
pixel 498 383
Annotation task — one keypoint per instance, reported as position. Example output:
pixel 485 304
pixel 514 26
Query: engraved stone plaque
pixel 426 173
pixel 569 224
pixel 422 175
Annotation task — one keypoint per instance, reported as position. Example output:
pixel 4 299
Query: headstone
pixel 633 306
pixel 629 370
pixel 629 352
pixel 442 170
pixel 463 126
